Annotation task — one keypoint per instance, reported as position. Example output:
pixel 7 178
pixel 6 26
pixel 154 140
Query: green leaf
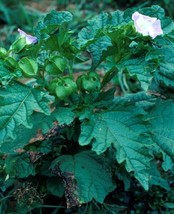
pixel 97 49
pixel 161 118
pixel 19 165
pixel 153 11
pixel 55 186
pixel 167 25
pixel 97 25
pixel 3 71
pixel 156 179
pixel 169 205
pixel 88 34
pixel 86 168
pixel 64 115
pixel 165 74
pixel 42 122
pixel 141 69
pixel 126 129
pixel 167 164
pixel 51 22
pixel 5 75
pixel 17 103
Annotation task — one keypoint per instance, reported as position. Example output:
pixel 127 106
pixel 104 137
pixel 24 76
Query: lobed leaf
pixel 51 22
pixel 125 129
pixel 97 26
pixel 86 168
pixel 165 74
pixel 17 103
pixel 161 118
pixel 41 125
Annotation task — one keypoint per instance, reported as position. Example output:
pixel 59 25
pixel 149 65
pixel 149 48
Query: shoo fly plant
pixel 86 119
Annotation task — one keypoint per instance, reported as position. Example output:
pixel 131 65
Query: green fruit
pixel 52 86
pixel 55 65
pixel 89 82
pixel 28 66
pixel 19 44
pixel 3 53
pixel 62 87
pixel 10 62
pixel 94 75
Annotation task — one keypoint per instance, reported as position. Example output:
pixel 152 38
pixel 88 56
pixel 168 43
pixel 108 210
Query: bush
pixel 95 140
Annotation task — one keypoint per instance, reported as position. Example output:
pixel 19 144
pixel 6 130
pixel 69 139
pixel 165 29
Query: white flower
pixel 146 25
pixel 29 39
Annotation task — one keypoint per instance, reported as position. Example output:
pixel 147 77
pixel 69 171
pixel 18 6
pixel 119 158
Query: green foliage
pixel 17 104
pixel 73 136
pixel 107 128
pixel 84 169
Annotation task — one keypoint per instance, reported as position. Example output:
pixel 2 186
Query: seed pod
pixel 28 66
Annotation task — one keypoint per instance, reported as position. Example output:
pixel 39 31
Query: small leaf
pixel 167 164
pixel 156 179
pixel 19 165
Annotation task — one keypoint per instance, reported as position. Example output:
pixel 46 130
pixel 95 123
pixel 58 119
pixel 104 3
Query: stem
pixel 51 206
pixel 4 198
pixel 120 79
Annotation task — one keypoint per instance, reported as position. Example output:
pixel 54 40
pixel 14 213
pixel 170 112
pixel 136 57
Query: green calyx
pixel 63 87
pixel 89 82
pixel 28 66
pixel 3 53
pixel 18 45
pixel 10 62
pixel 55 65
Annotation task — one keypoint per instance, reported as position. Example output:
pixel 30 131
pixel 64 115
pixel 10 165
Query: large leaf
pixel 17 103
pixel 41 125
pixel 86 169
pixel 162 117
pixel 125 128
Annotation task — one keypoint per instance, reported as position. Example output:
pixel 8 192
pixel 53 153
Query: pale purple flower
pixel 146 25
pixel 29 39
